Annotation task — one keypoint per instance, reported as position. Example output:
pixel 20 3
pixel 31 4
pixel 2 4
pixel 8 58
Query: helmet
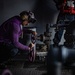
pixel 30 17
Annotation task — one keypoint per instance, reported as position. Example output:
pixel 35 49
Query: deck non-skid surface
pixel 26 68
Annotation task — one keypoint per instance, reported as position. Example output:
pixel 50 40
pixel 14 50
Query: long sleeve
pixel 15 37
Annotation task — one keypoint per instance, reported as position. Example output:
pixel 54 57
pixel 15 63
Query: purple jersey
pixel 10 31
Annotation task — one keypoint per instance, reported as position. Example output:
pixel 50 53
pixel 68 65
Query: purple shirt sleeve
pixel 15 37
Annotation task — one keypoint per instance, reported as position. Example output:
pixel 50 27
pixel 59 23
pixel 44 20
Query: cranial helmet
pixel 28 15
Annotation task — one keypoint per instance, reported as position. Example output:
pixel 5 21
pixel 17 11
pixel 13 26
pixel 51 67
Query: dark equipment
pixel 27 39
pixel 46 36
pixel 59 56
pixel 62 55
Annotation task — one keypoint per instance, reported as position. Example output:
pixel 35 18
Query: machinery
pixel 46 36
pixel 63 55
pixel 43 48
pixel 59 56
pixel 26 39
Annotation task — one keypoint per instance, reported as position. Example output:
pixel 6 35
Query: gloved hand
pixel 31 52
pixel 31 45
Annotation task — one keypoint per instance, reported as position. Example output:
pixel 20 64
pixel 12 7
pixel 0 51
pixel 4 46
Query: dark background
pixel 45 11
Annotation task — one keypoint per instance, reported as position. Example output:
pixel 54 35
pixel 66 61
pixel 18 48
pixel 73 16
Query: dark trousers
pixel 7 51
